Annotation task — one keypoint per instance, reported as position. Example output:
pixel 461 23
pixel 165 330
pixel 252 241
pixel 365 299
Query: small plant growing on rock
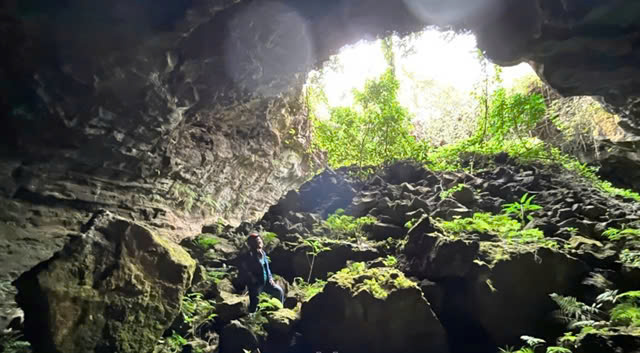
pixel 12 342
pixel 446 193
pixel 617 234
pixel 348 226
pixel 390 261
pixel 206 242
pixel 309 290
pixel 576 312
pixel 522 208
pixel 316 247
pixel 269 237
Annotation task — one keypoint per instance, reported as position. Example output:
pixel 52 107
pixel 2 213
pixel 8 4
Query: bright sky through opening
pixel 446 59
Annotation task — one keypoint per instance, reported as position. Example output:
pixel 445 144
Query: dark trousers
pixel 254 292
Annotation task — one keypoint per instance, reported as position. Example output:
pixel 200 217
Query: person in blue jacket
pixel 259 279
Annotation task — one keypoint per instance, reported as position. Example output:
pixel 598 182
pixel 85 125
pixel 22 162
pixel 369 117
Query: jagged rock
pixel 362 204
pixel 435 257
pixel 417 241
pixel 404 316
pixel 236 337
pixel 464 196
pixel 610 342
pixel 230 306
pixel 281 322
pixel 89 297
pixel 211 250
pixel 291 262
pixel 520 286
pixel 434 294
pixel 382 231
pixel 418 204
pixel 448 209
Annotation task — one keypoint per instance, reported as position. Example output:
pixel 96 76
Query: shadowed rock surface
pixel 116 288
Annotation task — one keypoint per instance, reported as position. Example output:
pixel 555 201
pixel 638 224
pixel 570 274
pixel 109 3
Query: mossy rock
pixel 371 310
pixel 117 289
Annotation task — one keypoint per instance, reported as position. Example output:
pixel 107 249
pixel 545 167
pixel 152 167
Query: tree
pixel 374 130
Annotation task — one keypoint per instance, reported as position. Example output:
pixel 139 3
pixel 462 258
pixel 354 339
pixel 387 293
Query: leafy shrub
pixel 309 289
pixel 315 248
pixel 347 226
pixel 269 237
pixel 501 226
pixel 617 234
pixel 522 208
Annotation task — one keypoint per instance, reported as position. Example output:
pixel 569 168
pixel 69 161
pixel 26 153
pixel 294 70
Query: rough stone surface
pixel 115 288
pixel 402 322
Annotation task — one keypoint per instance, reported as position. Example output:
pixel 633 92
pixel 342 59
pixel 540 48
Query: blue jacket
pixel 252 266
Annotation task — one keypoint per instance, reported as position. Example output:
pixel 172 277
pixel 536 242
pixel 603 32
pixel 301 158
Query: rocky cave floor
pixel 437 270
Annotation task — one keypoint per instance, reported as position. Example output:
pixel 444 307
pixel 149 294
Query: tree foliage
pixel 374 130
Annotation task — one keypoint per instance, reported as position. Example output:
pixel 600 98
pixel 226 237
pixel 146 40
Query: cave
pixel 176 114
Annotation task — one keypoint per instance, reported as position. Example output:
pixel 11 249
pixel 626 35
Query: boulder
pixel 375 311
pixel 116 288
pixel 464 196
pixel 231 306
pixel 280 322
pixel 235 337
pixel 382 231
pixel 609 342
pixel 438 257
pixel 293 261
pixel 511 298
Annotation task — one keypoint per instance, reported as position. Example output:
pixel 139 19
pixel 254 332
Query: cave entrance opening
pixel 442 78
pixel 443 90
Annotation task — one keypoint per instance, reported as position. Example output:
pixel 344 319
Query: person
pixel 255 266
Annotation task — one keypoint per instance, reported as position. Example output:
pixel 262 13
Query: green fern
pixel 572 310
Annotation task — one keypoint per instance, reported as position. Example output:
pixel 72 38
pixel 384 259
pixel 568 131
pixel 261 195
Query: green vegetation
pixel 315 248
pixel 390 261
pixel 309 290
pixel 630 257
pixel 216 276
pixel 12 342
pixel 347 226
pixel 196 311
pixel 206 242
pixel 378 130
pixel 522 209
pixel 617 234
pixel 379 282
pixel 186 197
pixel 533 345
pixel 269 237
pixel 501 226
pixel 446 193
pixel 624 313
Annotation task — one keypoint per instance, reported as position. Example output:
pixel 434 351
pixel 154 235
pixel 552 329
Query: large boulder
pixel 511 297
pixel 116 288
pixel 375 310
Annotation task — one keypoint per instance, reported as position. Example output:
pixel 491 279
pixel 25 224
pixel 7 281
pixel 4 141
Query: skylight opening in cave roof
pixel 433 58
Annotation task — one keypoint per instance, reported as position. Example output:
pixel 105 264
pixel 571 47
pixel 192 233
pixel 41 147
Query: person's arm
pixel 266 262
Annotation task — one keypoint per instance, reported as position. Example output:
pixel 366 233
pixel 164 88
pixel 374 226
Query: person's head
pixel 254 241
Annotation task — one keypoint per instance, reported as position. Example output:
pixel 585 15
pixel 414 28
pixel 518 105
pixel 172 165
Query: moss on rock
pixel 117 288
